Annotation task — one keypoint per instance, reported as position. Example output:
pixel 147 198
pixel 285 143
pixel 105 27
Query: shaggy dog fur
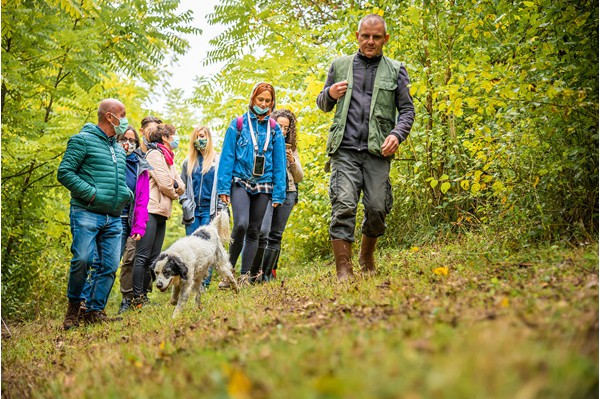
pixel 185 264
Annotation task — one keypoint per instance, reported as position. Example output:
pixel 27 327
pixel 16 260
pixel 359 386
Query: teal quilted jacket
pixel 93 170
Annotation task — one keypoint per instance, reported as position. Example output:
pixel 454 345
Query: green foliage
pixel 506 95
pixel 59 59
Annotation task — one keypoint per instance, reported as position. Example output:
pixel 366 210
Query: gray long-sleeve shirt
pixel 357 122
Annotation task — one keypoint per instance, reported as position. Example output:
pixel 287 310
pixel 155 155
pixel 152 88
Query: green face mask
pixel 122 126
pixel 200 144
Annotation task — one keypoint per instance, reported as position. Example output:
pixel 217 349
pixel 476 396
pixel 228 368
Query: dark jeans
pixel 274 222
pixel 146 253
pixel 351 173
pixel 248 212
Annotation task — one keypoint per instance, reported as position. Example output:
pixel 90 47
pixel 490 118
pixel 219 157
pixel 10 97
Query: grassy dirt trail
pixel 435 322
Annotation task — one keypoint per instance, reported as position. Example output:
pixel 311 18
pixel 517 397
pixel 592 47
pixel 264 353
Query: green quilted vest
pixel 382 115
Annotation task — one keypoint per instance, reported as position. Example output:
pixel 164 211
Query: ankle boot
pixel 72 316
pixel 268 263
pixel 256 263
pixel 342 250
pixel 367 249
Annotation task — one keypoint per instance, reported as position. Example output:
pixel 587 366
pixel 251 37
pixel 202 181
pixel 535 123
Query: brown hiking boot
pixel 366 259
pixel 72 316
pixel 98 316
pixel 82 309
pixel 342 250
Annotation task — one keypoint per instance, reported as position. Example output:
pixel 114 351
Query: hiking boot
pixel 141 302
pixel 137 302
pixel 82 309
pixel 366 258
pixel 269 259
pixel 243 279
pixel 255 271
pixel 342 251
pixel 98 316
pixel 126 304
pixel 72 316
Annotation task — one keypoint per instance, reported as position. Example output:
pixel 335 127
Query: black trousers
pixel 274 222
pixel 248 212
pixel 146 253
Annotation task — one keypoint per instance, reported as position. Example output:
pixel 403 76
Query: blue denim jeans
pixel 200 220
pixel 93 233
pixel 96 263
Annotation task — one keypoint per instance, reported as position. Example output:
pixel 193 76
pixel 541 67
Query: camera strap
pixel 254 142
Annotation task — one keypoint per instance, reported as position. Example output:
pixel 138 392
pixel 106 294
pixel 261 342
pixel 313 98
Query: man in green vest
pixel 373 115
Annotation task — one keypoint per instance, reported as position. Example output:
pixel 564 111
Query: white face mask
pixel 128 146
pixel 131 149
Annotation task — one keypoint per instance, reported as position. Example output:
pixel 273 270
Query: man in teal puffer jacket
pixel 93 170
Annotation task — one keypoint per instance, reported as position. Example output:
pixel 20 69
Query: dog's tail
pixel 221 223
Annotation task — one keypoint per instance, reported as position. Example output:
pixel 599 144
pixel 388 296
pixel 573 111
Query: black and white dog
pixel 186 262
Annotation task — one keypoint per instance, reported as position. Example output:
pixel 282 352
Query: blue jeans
pixel 96 263
pixel 200 220
pixel 93 233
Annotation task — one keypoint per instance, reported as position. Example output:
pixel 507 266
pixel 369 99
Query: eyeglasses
pixel 122 140
pixel 285 128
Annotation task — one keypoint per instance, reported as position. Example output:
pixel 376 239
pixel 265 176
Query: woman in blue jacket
pixel 252 171
pixel 199 172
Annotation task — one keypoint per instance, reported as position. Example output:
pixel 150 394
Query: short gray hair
pixel 373 17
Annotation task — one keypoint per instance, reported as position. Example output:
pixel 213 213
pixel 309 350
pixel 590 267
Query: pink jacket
pixel 140 208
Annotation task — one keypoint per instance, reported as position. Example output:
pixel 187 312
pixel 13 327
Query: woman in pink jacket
pixel 165 186
pixel 135 214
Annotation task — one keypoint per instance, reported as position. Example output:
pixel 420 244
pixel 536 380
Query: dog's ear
pixel 179 266
pixel 153 265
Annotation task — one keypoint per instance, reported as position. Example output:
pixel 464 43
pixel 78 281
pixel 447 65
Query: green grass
pixel 499 324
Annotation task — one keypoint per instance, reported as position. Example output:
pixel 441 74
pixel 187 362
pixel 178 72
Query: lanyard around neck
pixel 254 142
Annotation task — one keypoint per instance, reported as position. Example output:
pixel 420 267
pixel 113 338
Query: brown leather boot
pixel 342 250
pixel 72 316
pixel 365 259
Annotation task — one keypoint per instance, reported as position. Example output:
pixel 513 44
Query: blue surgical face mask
pixel 175 143
pixel 121 128
pixel 259 111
